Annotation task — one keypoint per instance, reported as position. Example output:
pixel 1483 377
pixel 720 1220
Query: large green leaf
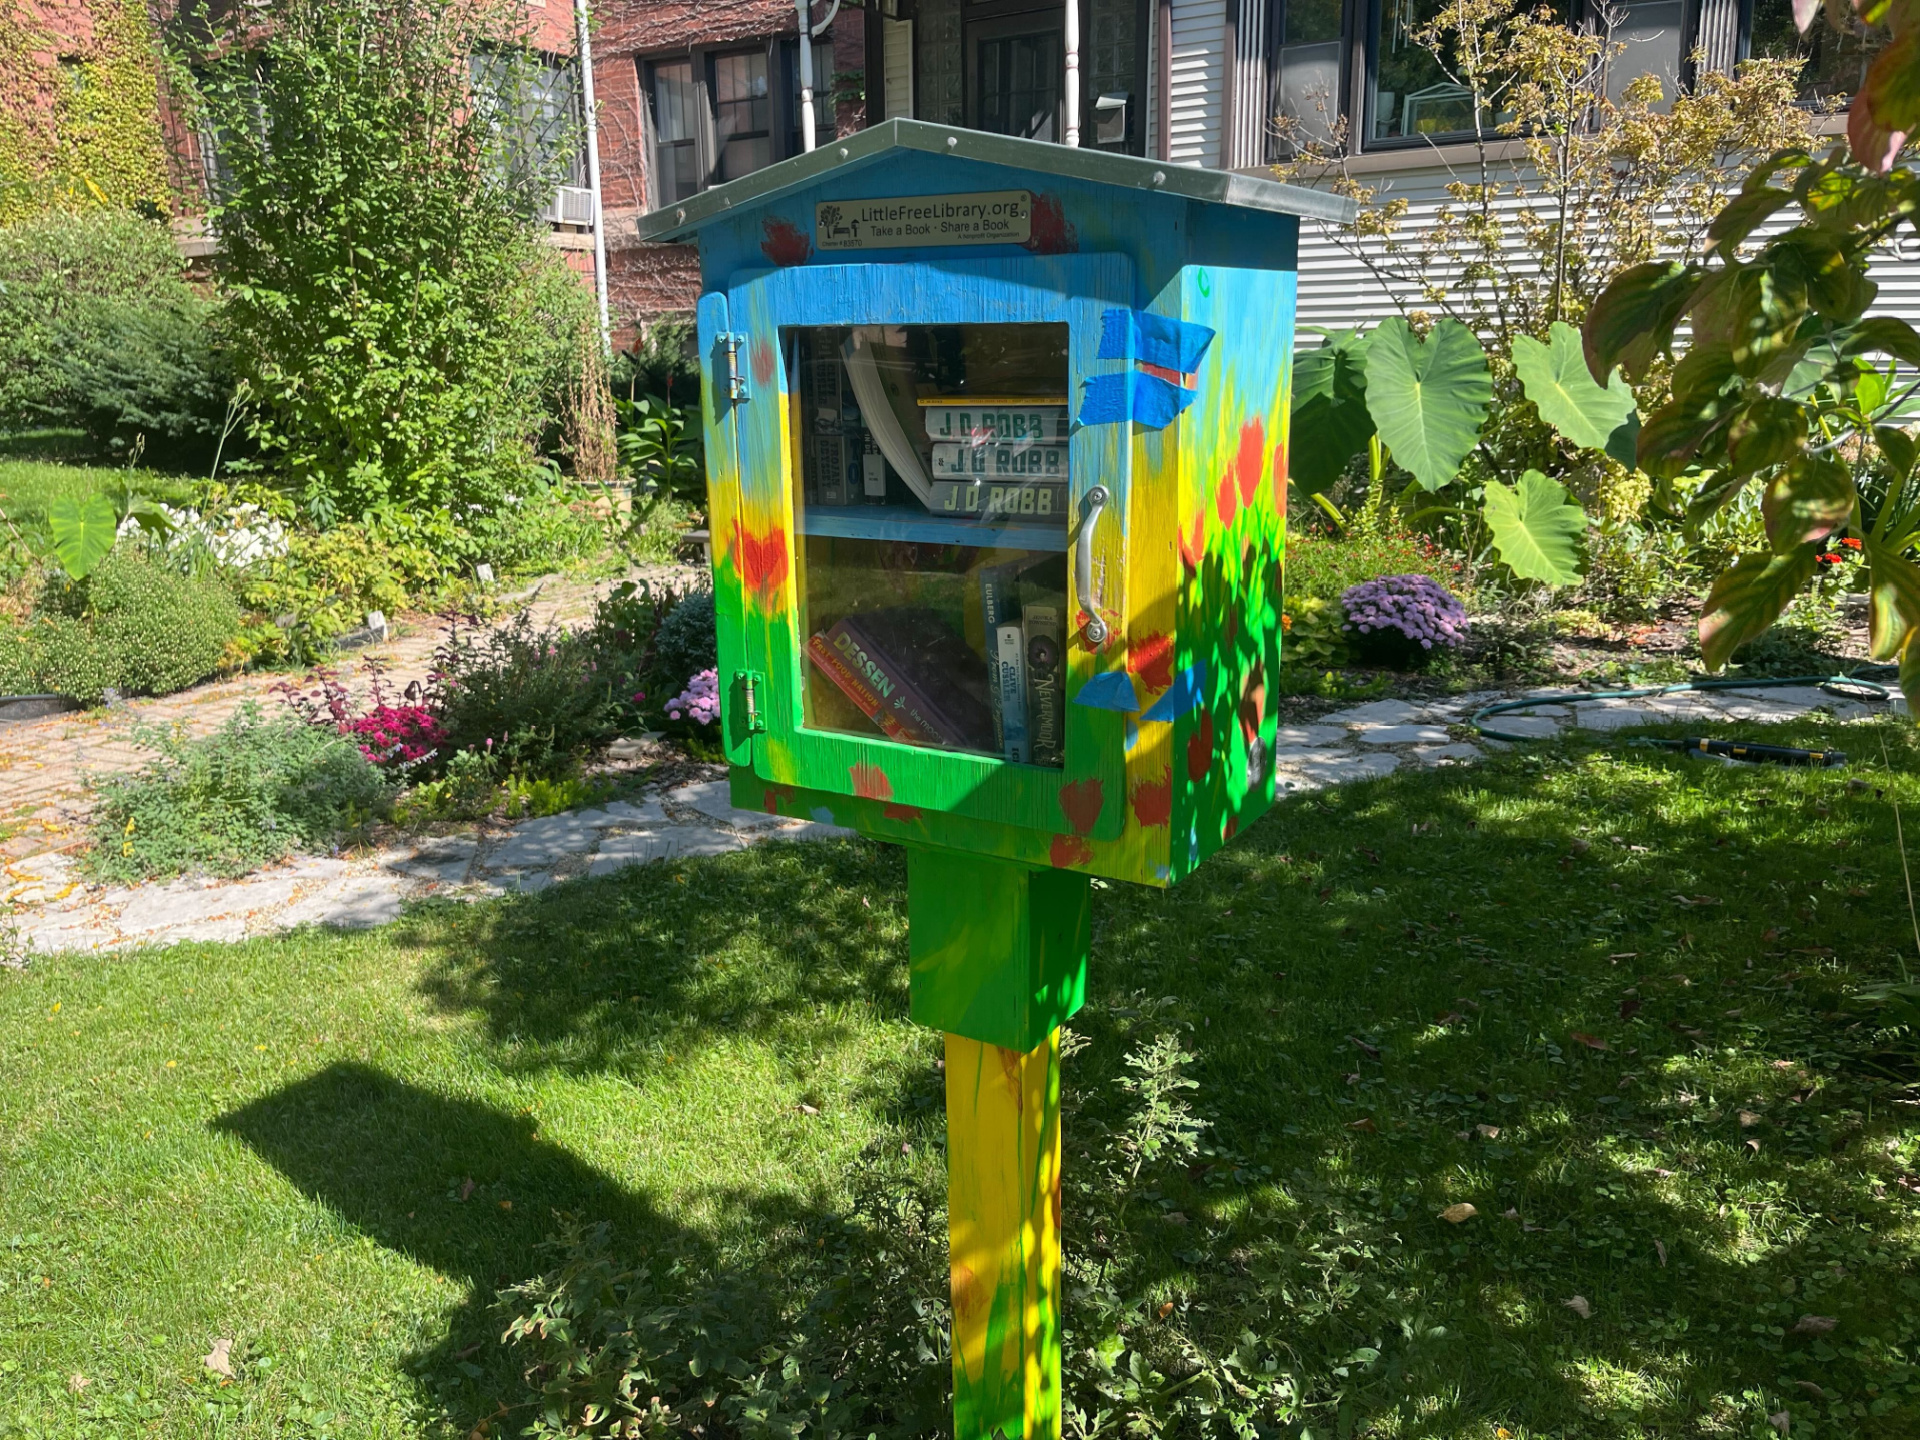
pixel 1536 531
pixel 1428 398
pixel 1563 390
pixel 1893 610
pixel 1747 598
pixel 1633 318
pixel 83 532
pixel 1330 423
pixel 1806 501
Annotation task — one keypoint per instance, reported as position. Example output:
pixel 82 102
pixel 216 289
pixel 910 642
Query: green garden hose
pixel 1855 684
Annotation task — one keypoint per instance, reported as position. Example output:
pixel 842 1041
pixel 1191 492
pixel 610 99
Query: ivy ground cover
pixel 1599 996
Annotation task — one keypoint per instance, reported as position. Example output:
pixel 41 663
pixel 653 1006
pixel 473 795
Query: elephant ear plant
pixel 1786 381
pixel 1425 401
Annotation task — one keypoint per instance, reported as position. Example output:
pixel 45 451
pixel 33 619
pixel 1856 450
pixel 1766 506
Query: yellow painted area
pixel 1003 1206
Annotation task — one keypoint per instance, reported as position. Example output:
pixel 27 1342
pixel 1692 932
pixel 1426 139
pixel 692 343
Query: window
pixel 1017 80
pixel 535 102
pixel 1654 33
pixel 743 114
pixel 1832 64
pixel 1304 82
pixel 1410 96
pixel 676 132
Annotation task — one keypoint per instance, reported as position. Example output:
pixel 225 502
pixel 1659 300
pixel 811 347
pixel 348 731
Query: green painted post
pixel 999 961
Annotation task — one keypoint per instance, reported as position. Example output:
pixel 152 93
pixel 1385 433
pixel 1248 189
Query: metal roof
pixel 864 147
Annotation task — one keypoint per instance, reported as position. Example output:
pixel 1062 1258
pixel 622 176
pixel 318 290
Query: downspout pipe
pixel 804 8
pixel 583 22
pixel 1072 47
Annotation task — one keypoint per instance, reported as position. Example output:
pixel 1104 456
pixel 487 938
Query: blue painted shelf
pixel 907 522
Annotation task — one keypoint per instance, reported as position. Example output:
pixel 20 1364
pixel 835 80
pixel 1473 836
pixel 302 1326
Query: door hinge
pixel 753 722
pixel 735 345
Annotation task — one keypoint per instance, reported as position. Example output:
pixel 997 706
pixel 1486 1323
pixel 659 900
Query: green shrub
pixel 246 797
pixel 146 373
pixel 19 662
pixel 1315 637
pixel 534 701
pixel 52 268
pixel 133 626
pixel 1324 566
pixel 389 291
pixel 686 642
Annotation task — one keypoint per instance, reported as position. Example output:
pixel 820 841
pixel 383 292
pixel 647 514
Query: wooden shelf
pixel 908 522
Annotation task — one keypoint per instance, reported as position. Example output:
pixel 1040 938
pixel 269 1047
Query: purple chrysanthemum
pixel 1416 606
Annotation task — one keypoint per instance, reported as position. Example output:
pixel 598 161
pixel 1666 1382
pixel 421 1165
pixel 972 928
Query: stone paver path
pixel 45 765
pixel 52 910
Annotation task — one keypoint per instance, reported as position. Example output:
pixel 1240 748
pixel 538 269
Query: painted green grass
pixel 274 1141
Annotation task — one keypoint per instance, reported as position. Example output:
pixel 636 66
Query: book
pixel 830 469
pixel 979 500
pixel 929 680
pixel 1010 697
pixel 831 663
pixel 992 420
pixel 873 471
pixel 1000 462
pixel 1043 623
pixel 998 608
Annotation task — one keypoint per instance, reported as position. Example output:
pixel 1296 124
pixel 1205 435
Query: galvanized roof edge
pixel 856 151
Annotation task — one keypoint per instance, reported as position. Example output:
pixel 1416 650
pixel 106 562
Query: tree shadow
pixel 1374 975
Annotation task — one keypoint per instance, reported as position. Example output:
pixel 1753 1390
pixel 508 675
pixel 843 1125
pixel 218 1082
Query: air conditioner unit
pixel 572 205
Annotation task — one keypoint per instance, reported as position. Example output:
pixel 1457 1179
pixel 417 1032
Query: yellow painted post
pixel 1003 1226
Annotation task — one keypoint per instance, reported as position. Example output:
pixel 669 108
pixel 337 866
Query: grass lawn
pixel 31 479
pixel 1589 992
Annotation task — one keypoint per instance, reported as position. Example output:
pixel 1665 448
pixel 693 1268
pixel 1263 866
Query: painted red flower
pixel 1153 801
pixel 870 782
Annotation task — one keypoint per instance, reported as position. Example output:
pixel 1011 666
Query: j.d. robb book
pixel 999 462
pixel 992 420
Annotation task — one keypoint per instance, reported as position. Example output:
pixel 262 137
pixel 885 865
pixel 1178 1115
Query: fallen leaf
pixel 1812 1389
pixel 1580 847
pixel 1165 1310
pixel 1365 1125
pixel 220 1359
pixel 1452 1017
pixel 466 1189
pixel 1458 1214
pixel 77 1382
pixel 1592 1042
pixel 806 1109
pixel 1814 1324
pixel 1509 1214
pixel 1372 1052
pixel 1352 1077
pixel 1578 1304
pixel 1629 1007
pixel 1174 1217
pixel 506 1204
pixel 1488 1132
pixel 1754 1146
pixel 1734 1014
pixel 1780 1420
pixel 1660 1249
pixel 1625 955
pixel 1771 933
pixel 1748 1119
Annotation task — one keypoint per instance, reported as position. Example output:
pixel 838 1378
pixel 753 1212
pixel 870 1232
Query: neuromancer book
pixel 1044 624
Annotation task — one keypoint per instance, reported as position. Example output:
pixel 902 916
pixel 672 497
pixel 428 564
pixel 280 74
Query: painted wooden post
pixel 1003 1228
pixel 999 960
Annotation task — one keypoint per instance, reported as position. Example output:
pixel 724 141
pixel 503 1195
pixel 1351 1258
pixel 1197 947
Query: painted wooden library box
pixel 996 445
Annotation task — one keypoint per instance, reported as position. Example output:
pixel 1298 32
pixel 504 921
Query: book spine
pixel 1000 462
pixel 996 609
pixel 1045 633
pixel 1010 692
pixel 820 650
pixel 906 700
pixel 999 424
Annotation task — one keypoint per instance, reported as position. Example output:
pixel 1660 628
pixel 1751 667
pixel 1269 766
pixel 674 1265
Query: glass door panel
pixel 933 519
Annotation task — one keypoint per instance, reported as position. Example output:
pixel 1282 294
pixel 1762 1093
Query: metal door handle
pixel 1091 504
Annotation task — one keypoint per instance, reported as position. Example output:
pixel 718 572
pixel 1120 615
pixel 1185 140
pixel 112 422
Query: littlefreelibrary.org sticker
pixel 993 217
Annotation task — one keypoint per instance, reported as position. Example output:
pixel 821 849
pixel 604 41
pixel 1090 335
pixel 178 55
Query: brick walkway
pixel 46 765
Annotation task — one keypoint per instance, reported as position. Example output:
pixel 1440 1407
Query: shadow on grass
pixel 1386 989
